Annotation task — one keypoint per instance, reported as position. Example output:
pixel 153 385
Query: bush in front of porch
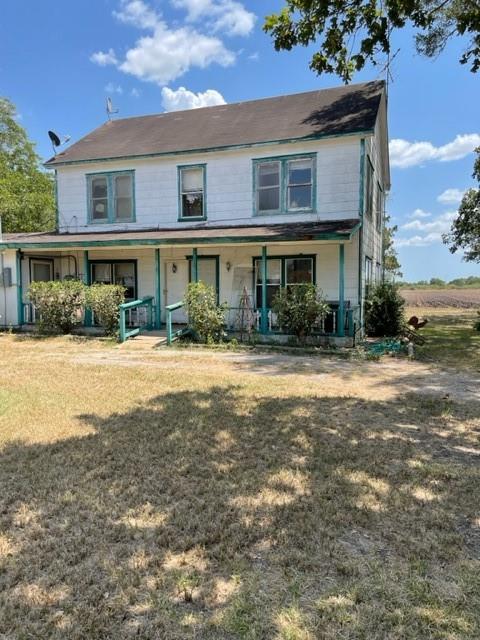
pixel 104 301
pixel 59 304
pixel 299 308
pixel 62 305
pixel 206 318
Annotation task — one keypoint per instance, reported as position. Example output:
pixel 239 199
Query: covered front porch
pixel 246 274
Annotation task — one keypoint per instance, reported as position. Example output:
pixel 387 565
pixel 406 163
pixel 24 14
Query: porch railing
pixel 135 316
pixel 171 334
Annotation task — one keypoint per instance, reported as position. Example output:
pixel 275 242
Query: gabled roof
pixel 200 234
pixel 315 114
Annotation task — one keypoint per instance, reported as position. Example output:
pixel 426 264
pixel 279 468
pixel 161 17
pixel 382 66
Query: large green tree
pixel 350 33
pixel 26 192
pixel 465 232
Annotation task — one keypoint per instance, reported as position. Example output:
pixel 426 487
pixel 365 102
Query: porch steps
pixel 146 340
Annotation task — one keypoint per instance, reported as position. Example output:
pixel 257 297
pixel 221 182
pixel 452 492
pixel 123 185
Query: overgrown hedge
pixel 206 318
pixel 299 308
pixel 384 310
pixel 61 305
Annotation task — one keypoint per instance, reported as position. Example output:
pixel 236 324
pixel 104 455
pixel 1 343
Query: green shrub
pixel 298 309
pixel 206 318
pixel 476 324
pixel 58 303
pixel 104 300
pixel 384 310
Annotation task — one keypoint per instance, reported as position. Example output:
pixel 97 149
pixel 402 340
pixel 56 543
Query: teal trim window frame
pixel 192 192
pixel 369 187
pixel 285 184
pixel 368 274
pixel 116 272
pixel 216 259
pixel 280 274
pixel 379 207
pixel 111 197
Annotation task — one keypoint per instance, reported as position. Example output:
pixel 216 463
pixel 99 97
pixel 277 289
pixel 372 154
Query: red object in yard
pixel 417 323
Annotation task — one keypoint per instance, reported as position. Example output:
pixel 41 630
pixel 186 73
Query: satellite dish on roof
pixel 111 110
pixel 56 140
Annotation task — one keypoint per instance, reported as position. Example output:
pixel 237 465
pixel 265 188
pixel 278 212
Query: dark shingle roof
pixel 340 110
pixel 302 231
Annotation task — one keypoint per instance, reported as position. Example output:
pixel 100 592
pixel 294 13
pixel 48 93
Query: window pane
pixel 299 270
pixel 100 209
pixel 300 197
pixel 192 179
pixel 123 208
pixel 101 273
pixel 99 187
pixel 192 205
pixel 272 291
pixel 268 174
pixel 124 274
pixel 42 271
pixel 300 172
pixel 274 269
pixel 123 186
pixel 269 199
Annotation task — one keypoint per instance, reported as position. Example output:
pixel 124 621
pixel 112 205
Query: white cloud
pixel 405 154
pixel 137 13
pixel 135 93
pixel 102 58
pixel 167 52
pixel 419 213
pixel 451 196
pixel 113 88
pixel 440 224
pixel 427 232
pixel 254 56
pixel 419 241
pixel 182 98
pixel 225 16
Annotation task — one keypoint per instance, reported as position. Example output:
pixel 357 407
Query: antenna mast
pixel 111 110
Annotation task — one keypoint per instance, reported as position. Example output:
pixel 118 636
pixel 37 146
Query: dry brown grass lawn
pixel 211 501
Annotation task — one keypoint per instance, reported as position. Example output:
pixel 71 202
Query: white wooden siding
pixel 229 186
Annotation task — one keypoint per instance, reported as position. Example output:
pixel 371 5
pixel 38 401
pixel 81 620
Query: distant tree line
pixel 472 282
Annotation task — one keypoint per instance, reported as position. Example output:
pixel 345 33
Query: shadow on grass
pixel 214 515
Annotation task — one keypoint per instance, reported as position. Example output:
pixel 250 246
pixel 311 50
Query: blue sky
pixel 60 59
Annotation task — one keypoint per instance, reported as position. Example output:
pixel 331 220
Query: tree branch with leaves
pixel 351 33
pixel 27 200
pixel 465 231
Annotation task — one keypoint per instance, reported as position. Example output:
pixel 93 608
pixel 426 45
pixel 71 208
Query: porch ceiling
pixel 300 232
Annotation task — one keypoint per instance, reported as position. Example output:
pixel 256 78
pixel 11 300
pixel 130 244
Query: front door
pixel 176 281
pixel 207 271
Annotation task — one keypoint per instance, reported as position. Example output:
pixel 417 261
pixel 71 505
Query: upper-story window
pixel 111 197
pixel 369 189
pixel 284 185
pixel 192 196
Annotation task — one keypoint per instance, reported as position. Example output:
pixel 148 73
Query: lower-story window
pixel 283 271
pixel 122 272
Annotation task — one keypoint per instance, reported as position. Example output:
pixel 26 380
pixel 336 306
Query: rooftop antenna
pixel 57 141
pixel 110 109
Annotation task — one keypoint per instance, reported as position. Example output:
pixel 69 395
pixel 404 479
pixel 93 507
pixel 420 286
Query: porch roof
pixel 200 234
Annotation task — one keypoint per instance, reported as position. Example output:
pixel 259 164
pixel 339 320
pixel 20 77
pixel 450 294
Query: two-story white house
pixel 248 197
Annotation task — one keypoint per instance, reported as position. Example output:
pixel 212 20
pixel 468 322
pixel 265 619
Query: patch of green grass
pixel 451 340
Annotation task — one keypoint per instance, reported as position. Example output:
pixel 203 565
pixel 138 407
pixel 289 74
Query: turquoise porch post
pixel 158 291
pixel 264 315
pixel 194 265
pixel 341 290
pixel 19 288
pixel 86 280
